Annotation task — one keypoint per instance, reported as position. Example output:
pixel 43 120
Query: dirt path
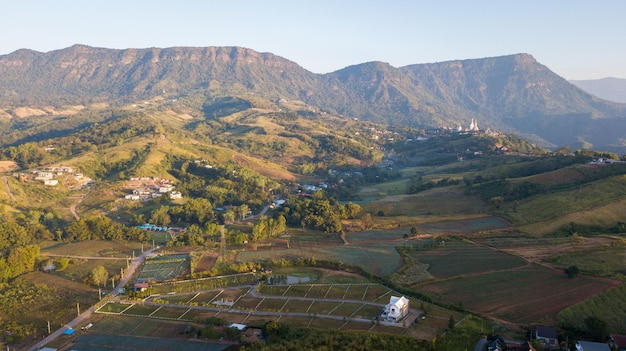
pixel 79 200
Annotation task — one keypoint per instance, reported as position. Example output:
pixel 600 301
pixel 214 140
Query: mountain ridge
pixel 609 88
pixel 511 93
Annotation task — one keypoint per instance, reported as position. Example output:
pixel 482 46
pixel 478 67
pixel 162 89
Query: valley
pixel 291 218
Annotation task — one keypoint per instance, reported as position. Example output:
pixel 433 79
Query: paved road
pixel 86 314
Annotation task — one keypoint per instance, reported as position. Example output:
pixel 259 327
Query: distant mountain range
pixel 612 89
pixel 511 93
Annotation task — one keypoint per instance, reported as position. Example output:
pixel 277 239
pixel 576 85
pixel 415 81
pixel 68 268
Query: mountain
pixel 511 93
pixel 612 89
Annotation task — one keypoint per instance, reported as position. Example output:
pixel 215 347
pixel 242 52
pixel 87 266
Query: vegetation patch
pixel 456 258
pixel 523 295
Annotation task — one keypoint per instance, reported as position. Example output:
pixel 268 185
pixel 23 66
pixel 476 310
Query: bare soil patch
pixel 537 253
pixel 8 166
pixel 206 262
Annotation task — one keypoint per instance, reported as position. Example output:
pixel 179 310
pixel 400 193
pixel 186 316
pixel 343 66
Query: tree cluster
pixel 317 212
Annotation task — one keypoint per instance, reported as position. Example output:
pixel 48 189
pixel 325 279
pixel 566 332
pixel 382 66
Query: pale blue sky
pixel 576 39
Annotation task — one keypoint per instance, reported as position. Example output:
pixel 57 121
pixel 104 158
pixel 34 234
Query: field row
pixel 365 292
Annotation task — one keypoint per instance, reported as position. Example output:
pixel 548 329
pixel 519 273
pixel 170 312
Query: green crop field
pixel 609 307
pixel 169 312
pixel 98 342
pixel 323 307
pixel 379 258
pixel 456 258
pixel 163 267
pixel 140 310
pixel 586 197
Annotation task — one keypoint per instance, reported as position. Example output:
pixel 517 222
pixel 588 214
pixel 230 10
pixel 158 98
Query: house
pixel 132 197
pixel 591 346
pixel 547 336
pixel 518 345
pixel 176 195
pixel 240 327
pixel 396 309
pixel 142 191
pixel 141 286
pixel 497 344
pixel 618 342
pixel 51 182
pixel 44 175
pixel 166 188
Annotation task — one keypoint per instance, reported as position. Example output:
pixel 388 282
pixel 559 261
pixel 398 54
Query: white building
pixel 176 195
pixel 51 182
pixel 396 309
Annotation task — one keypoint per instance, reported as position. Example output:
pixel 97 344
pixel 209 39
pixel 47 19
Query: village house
pixel 141 286
pixel 165 188
pixel 547 336
pixel 618 342
pixel 591 346
pixel 176 195
pixel 51 182
pixel 396 309
pixel 142 191
pixel 44 175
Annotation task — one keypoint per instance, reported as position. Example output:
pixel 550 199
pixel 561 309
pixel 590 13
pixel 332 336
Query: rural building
pixel 547 336
pixel 618 341
pixel 497 344
pixel 591 346
pixel 51 182
pixel 518 345
pixel 240 327
pixel 141 286
pixel 396 309
pixel 132 197
pixel 44 175
pixel 176 195
pixel 166 188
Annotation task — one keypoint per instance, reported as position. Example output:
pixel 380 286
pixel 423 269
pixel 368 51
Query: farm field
pixel 525 295
pixel 96 248
pixel 99 342
pixel 458 258
pixel 381 258
pixel 162 268
pixel 450 200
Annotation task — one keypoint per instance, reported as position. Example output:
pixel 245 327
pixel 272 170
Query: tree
pixel 366 221
pixel 61 263
pixel 415 230
pixel 596 328
pixel 451 322
pixel 99 275
pixel 571 271
pixel 160 216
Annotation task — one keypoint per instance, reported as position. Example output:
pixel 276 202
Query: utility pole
pixel 77 308
pixel 48 327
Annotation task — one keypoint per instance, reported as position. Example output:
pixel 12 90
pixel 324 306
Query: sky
pixel 573 38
